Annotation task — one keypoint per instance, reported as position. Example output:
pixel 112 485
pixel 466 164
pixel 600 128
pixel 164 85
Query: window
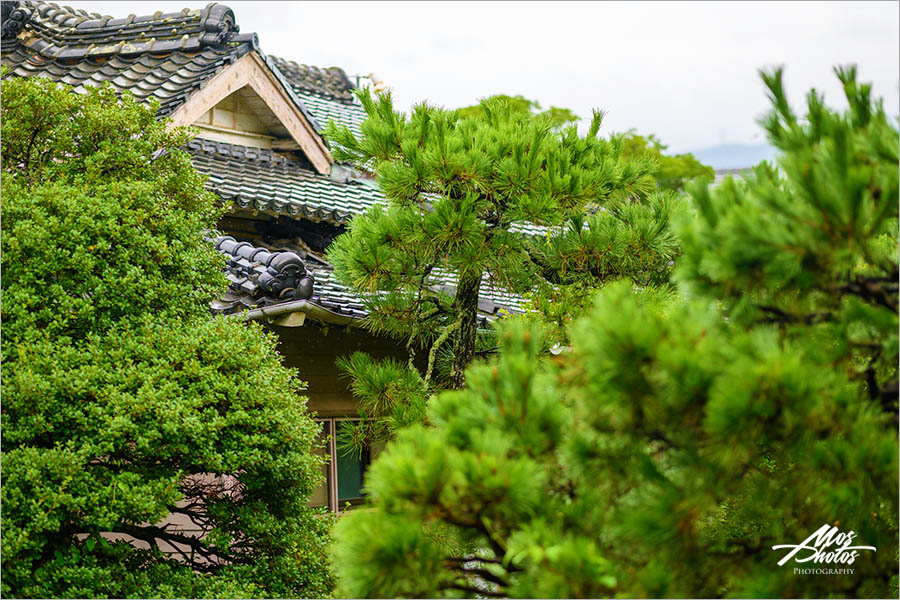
pixel 343 474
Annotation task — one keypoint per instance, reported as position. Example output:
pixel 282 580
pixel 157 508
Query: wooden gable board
pixel 251 70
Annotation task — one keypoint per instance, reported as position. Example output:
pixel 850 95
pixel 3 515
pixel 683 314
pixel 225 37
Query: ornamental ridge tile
pixel 251 271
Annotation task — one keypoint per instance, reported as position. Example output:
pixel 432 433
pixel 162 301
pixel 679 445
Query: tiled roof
pixel 331 83
pixel 264 180
pixel 493 300
pixel 168 57
pixel 247 264
pixel 325 109
pixel 255 280
pixel 164 56
pixel 325 92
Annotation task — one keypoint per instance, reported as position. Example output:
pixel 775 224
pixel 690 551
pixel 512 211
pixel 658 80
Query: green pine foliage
pixel 814 242
pixel 682 437
pixel 390 396
pixel 557 117
pixel 626 239
pixel 458 188
pixel 124 400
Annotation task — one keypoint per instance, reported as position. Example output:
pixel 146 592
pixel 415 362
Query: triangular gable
pixel 252 71
pixel 244 118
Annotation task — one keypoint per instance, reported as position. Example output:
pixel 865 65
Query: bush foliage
pixel 124 401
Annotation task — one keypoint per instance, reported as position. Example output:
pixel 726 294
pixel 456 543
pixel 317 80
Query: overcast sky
pixel 686 71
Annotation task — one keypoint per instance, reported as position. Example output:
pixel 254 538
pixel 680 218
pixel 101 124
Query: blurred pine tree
pixel 681 439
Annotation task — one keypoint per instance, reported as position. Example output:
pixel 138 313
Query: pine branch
pixel 878 290
pixel 471 589
pixel 483 559
pixel 780 316
pixel 488 352
pixel 483 573
pixel 432 354
pixel 477 523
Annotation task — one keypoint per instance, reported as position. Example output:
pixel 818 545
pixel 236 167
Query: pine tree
pixel 124 401
pixel 683 437
pixel 457 188
pixel 557 117
pixel 466 189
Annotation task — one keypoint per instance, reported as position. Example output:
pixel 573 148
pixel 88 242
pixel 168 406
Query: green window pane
pixel 350 471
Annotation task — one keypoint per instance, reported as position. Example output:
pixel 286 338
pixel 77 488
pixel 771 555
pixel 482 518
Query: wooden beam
pixel 241 138
pixel 285 145
pixel 251 70
pixel 219 87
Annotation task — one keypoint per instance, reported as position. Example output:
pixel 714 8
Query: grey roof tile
pixel 166 56
pixel 329 82
pixel 247 265
pixel 268 181
pixel 325 109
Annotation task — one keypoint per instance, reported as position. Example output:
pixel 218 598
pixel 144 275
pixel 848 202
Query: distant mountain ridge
pixel 735 156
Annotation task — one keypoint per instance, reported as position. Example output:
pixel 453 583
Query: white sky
pixel 686 71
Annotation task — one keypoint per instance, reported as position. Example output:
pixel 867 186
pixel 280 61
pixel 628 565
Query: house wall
pixel 242 118
pixel 312 350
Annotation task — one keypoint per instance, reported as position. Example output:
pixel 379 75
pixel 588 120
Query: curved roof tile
pixel 264 180
pixel 162 56
pixel 247 265
pixel 331 82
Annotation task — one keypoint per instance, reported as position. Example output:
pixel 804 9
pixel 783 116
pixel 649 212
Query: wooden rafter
pixel 251 70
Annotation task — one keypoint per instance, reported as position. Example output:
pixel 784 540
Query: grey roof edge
pixel 342 94
pixel 305 210
pixel 212 26
pixel 268 314
pixel 215 26
pixel 273 299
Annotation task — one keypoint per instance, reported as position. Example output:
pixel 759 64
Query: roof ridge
pixel 331 82
pixel 63 32
pixel 295 63
pixel 249 153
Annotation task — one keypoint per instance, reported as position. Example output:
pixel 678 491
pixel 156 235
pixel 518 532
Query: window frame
pixel 331 478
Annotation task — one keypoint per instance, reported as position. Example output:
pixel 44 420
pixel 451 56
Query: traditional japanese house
pixel 259 120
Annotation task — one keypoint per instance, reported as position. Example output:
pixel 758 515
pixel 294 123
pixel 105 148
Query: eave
pixel 285 315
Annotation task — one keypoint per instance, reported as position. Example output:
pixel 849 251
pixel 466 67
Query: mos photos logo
pixel 827 545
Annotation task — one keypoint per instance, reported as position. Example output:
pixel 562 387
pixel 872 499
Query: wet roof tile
pixel 166 56
pixel 264 180
pixel 247 264
pixel 163 55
